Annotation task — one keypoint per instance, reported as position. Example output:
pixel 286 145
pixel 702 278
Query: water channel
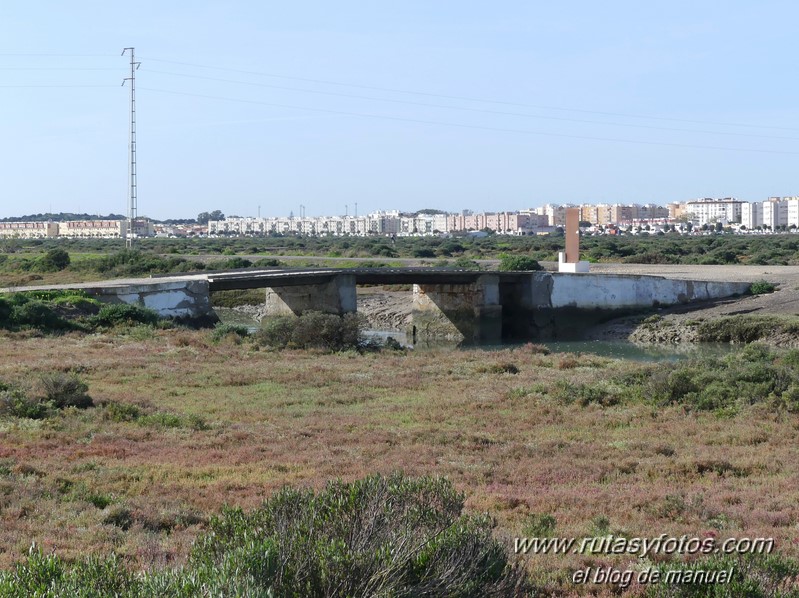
pixel 612 349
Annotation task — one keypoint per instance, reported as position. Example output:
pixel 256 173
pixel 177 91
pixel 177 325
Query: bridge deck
pixel 276 278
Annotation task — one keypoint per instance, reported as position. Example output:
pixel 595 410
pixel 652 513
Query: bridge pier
pixel 336 296
pixel 470 312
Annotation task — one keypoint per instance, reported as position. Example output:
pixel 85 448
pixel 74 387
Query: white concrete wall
pixel 170 299
pixel 605 291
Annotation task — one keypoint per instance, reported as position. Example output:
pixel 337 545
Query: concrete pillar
pixel 469 312
pixel 336 296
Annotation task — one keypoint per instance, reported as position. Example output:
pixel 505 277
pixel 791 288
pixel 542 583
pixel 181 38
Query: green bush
pixel 65 390
pixel 518 263
pixel 312 330
pixel 387 536
pixel 36 314
pixel 276 332
pixel 121 412
pixel 54 260
pixel 464 263
pixel 15 403
pixel 753 576
pixel 124 314
pixel 265 262
pixel 220 331
pixel 744 328
pixel 49 576
pixel 233 263
pixel 585 394
pixel 753 375
pixel 761 287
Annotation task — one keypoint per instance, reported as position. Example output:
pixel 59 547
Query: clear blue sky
pixel 514 104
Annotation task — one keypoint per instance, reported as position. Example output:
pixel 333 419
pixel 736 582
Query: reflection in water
pixel 612 349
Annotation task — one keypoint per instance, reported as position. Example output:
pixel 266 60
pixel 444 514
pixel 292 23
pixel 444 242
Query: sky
pixel 262 106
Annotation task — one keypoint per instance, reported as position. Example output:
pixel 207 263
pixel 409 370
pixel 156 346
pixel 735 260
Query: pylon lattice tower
pixel 133 191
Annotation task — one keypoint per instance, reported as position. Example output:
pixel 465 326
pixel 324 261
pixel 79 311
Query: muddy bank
pixel 385 310
pixel 702 326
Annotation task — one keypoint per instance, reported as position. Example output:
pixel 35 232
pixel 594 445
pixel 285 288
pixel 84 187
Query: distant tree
pixel 719 227
pixel 585 224
pixel 204 217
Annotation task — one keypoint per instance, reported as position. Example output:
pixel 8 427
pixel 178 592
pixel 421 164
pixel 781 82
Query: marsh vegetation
pixel 182 423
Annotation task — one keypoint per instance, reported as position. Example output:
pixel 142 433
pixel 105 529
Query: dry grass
pixel 83 483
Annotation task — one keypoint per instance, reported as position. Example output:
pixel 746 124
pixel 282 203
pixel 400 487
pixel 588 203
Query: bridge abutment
pixel 337 296
pixel 184 300
pixel 470 312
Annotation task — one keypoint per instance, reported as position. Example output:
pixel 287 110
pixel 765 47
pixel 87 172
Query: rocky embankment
pixel 385 310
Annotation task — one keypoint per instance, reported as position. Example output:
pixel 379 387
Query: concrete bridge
pixel 475 306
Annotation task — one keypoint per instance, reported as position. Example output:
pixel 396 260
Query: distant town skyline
pixel 415 105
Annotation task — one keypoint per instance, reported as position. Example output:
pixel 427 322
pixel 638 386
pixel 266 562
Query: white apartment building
pixel 378 223
pixel 75 229
pixel 775 213
pixel 792 219
pixel 556 215
pixel 29 230
pixel 752 215
pixel 93 229
pixel 710 211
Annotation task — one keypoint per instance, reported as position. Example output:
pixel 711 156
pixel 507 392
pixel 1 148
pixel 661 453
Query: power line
pixel 56 86
pixel 465 126
pixel 467 109
pixel 470 99
pixel 55 68
pixel 56 55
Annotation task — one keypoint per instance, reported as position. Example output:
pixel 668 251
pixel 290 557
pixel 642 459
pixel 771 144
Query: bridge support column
pixel 336 296
pixel 469 312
